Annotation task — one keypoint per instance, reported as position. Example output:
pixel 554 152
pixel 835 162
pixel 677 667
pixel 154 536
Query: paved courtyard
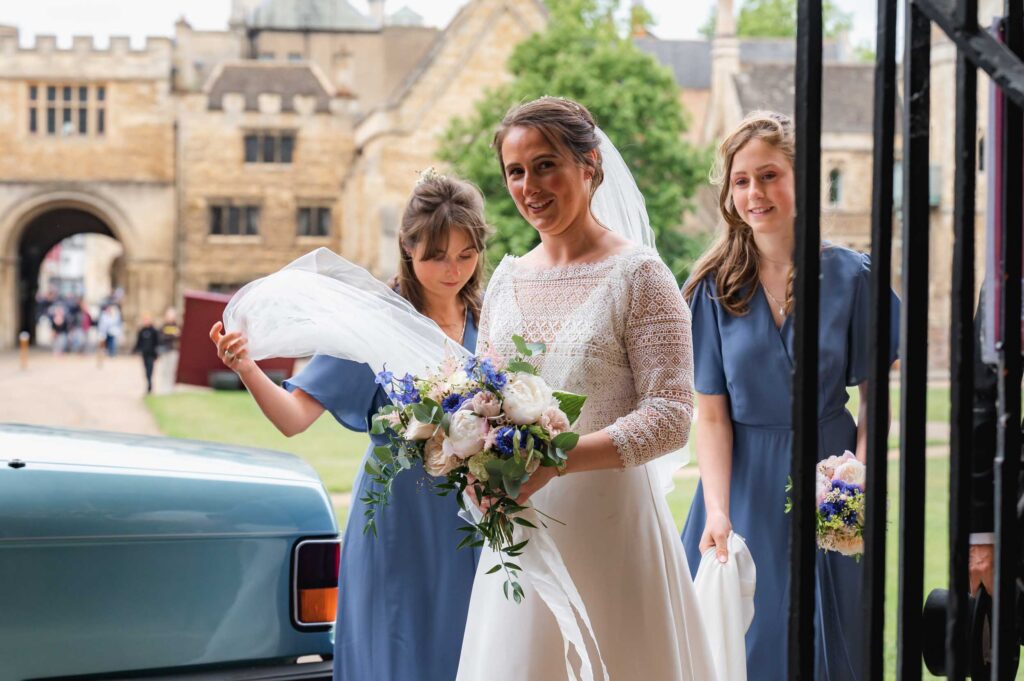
pixel 75 391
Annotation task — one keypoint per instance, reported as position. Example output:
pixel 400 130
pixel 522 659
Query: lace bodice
pixel 617 331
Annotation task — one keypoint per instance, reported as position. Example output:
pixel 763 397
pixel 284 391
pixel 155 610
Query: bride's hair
pixel 438 205
pixel 733 258
pixel 567 126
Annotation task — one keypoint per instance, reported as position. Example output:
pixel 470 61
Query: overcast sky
pixel 139 18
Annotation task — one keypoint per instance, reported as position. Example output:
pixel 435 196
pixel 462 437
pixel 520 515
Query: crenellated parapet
pixel 85 59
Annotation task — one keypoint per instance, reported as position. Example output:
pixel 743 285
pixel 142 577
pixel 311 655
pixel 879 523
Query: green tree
pixel 777 19
pixel 582 54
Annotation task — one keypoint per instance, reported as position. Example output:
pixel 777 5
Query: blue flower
pixel 503 443
pixel 452 403
pixel 407 392
pixel 384 379
pixel 470 365
pixel 492 376
pixel 851 519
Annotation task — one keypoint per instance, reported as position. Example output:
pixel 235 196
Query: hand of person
pixel 538 479
pixel 231 349
pixel 980 558
pixel 716 534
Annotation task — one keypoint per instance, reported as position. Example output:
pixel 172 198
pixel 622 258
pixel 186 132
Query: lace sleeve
pixel 660 355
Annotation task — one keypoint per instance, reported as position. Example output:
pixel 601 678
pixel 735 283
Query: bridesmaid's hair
pixel 438 205
pixel 567 126
pixel 733 258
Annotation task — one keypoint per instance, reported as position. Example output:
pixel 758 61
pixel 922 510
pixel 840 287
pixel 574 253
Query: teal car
pixel 125 556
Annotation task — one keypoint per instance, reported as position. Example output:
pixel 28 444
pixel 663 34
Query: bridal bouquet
pixel 840 501
pixel 483 425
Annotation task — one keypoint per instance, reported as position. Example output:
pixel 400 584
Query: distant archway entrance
pixel 46 227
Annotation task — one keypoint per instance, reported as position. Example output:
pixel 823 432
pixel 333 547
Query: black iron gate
pixel 1002 63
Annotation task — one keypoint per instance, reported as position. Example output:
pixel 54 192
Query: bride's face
pixel 551 191
pixel 443 273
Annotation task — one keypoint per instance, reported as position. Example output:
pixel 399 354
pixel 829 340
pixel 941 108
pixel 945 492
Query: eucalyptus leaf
pixel 383 454
pixel 522 368
pixel 566 441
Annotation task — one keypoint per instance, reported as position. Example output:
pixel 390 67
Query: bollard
pixel 23 350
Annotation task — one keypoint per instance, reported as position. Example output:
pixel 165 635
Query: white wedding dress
pixel 617 331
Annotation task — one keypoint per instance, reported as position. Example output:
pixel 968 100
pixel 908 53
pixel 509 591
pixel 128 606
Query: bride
pixel 617 330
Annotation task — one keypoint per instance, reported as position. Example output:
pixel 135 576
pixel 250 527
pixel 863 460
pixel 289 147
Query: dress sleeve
pixel 658 346
pixel 344 388
pixel 709 369
pixel 859 340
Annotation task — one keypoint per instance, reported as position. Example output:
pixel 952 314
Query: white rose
pixel 851 472
pixel 466 434
pixel 417 430
pixel 485 403
pixel 526 397
pixel 435 460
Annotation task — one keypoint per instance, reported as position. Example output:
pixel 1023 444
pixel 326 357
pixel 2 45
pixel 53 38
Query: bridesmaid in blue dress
pixel 740 299
pixel 403 595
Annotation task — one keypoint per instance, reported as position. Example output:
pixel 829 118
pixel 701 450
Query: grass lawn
pixel 233 417
pixel 336 454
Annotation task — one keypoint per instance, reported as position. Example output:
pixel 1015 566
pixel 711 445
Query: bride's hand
pixel 538 479
pixel 716 534
pixel 231 349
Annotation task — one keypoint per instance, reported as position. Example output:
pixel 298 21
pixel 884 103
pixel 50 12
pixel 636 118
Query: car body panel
pixel 127 553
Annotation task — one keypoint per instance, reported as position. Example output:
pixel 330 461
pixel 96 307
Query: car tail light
pixel 315 585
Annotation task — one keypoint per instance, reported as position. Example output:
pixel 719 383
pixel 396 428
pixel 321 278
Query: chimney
pixel 377 11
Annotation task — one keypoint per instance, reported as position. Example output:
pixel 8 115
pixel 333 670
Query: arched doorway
pixel 39 236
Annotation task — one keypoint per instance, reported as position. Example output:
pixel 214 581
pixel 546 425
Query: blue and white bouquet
pixel 483 425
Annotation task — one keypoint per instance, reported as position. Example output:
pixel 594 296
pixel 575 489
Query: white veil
pixel 324 304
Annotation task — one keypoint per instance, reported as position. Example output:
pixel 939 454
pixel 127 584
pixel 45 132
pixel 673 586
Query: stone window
pixel 269 146
pixel 295 56
pixel 835 187
pixel 67 109
pixel 234 219
pixel 313 221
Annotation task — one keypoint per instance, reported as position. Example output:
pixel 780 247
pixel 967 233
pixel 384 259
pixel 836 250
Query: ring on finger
pixel 228 355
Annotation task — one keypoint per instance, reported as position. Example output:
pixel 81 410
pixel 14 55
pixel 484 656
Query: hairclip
pixel 430 174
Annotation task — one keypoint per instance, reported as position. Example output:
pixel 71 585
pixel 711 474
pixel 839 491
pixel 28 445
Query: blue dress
pixel 403 595
pixel 750 360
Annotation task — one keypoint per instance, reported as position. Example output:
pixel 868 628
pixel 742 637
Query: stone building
pixel 218 156
pixel 724 78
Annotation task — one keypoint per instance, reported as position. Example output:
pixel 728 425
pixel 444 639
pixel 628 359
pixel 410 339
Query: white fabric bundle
pixel 725 594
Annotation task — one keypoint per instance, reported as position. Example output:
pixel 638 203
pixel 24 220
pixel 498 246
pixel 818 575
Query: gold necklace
pixel 775 301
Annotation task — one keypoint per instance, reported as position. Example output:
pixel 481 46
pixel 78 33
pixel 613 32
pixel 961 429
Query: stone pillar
pixel 9 304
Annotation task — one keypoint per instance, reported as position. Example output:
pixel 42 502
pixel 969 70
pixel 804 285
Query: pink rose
pixel 436 461
pixel 486 404
pixel 554 421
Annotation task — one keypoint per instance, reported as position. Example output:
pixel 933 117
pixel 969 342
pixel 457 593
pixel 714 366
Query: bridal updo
pixel 566 125
pixel 438 205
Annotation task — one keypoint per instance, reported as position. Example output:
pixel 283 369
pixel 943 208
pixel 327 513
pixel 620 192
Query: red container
pixel 198 353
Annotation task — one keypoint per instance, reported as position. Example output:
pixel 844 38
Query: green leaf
pixel 372 468
pixel 424 413
pixel 511 486
pixel 571 404
pixel 494 569
pixel 383 454
pixel 566 441
pixel 522 367
pixel 378 426
pixel 521 346
pixel 524 522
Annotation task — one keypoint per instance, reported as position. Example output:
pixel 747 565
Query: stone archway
pixel 40 235
pixel 38 223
